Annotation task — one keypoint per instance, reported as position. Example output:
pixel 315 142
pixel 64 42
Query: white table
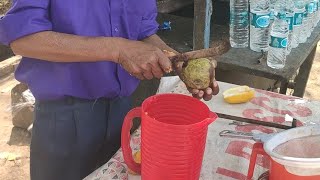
pixel 225 158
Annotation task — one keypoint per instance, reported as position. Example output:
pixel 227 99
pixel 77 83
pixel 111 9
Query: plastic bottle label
pixel 316 6
pixel 271 15
pixel 260 21
pixel 232 17
pixel 243 18
pixel 290 22
pixel 277 42
pixel 297 20
pixel 310 7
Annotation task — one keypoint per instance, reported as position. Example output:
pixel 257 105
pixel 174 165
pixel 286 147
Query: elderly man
pixel 82 60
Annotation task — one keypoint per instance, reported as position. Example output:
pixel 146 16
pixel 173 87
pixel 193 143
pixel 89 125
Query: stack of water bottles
pixel 272 26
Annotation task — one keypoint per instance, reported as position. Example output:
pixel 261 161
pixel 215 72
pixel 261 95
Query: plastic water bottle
pixel 239 23
pixel 310 15
pixel 272 16
pixel 316 4
pixel 259 25
pixel 313 17
pixel 306 21
pixel 277 53
pixel 290 16
pixel 299 9
pixel 272 13
pixel 315 13
pixel 318 12
pixel 283 6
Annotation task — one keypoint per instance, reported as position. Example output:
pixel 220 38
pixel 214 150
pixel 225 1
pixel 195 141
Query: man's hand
pixel 206 94
pixel 143 60
pixel 209 92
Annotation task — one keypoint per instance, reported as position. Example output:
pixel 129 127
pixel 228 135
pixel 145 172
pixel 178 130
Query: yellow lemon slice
pixel 137 159
pixel 237 95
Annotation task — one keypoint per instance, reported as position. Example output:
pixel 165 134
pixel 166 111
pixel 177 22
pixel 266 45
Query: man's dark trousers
pixel 72 137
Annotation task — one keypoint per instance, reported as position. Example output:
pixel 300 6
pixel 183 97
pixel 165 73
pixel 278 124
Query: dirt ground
pixel 12 140
pixel 313 87
pixel 4 6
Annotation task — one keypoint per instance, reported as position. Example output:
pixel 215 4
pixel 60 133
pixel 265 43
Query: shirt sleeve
pixel 149 24
pixel 24 18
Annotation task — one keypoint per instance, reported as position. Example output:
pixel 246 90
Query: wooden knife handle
pixel 220 49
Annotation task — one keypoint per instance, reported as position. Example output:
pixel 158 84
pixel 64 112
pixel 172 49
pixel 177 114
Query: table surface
pixel 225 158
pixel 244 60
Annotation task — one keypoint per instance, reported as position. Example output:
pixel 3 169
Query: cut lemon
pixel 237 95
pixel 137 159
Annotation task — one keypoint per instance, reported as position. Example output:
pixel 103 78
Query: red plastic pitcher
pixel 173 137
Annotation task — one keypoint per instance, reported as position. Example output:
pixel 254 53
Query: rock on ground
pixel 4 6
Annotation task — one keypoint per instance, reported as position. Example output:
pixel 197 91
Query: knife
pixel 258 122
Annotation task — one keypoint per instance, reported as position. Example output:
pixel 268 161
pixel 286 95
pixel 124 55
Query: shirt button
pixel 116 29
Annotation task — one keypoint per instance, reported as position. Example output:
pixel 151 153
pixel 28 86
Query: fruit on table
pixel 237 95
pixel 197 73
pixel 137 159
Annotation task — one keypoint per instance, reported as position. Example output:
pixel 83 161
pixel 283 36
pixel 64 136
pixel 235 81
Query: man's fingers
pixel 193 91
pixel 147 75
pixel 135 71
pixel 157 71
pixel 139 76
pixel 208 91
pixel 164 62
pixel 208 94
pixel 215 87
pixel 178 67
pixel 146 71
pixel 169 53
pixel 199 95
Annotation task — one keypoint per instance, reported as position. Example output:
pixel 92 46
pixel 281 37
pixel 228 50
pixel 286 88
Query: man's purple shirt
pixel 131 19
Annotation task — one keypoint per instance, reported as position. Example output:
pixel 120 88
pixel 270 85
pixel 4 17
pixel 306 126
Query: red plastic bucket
pixel 287 167
pixel 277 171
pixel 173 137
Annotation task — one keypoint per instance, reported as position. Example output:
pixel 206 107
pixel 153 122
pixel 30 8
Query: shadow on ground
pixel 313 86
pixel 19 137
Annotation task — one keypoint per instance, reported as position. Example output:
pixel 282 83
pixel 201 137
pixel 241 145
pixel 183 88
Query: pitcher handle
pixel 257 149
pixel 126 137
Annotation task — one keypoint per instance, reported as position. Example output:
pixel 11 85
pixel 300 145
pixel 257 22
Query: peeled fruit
pixel 237 95
pixel 137 159
pixel 197 73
